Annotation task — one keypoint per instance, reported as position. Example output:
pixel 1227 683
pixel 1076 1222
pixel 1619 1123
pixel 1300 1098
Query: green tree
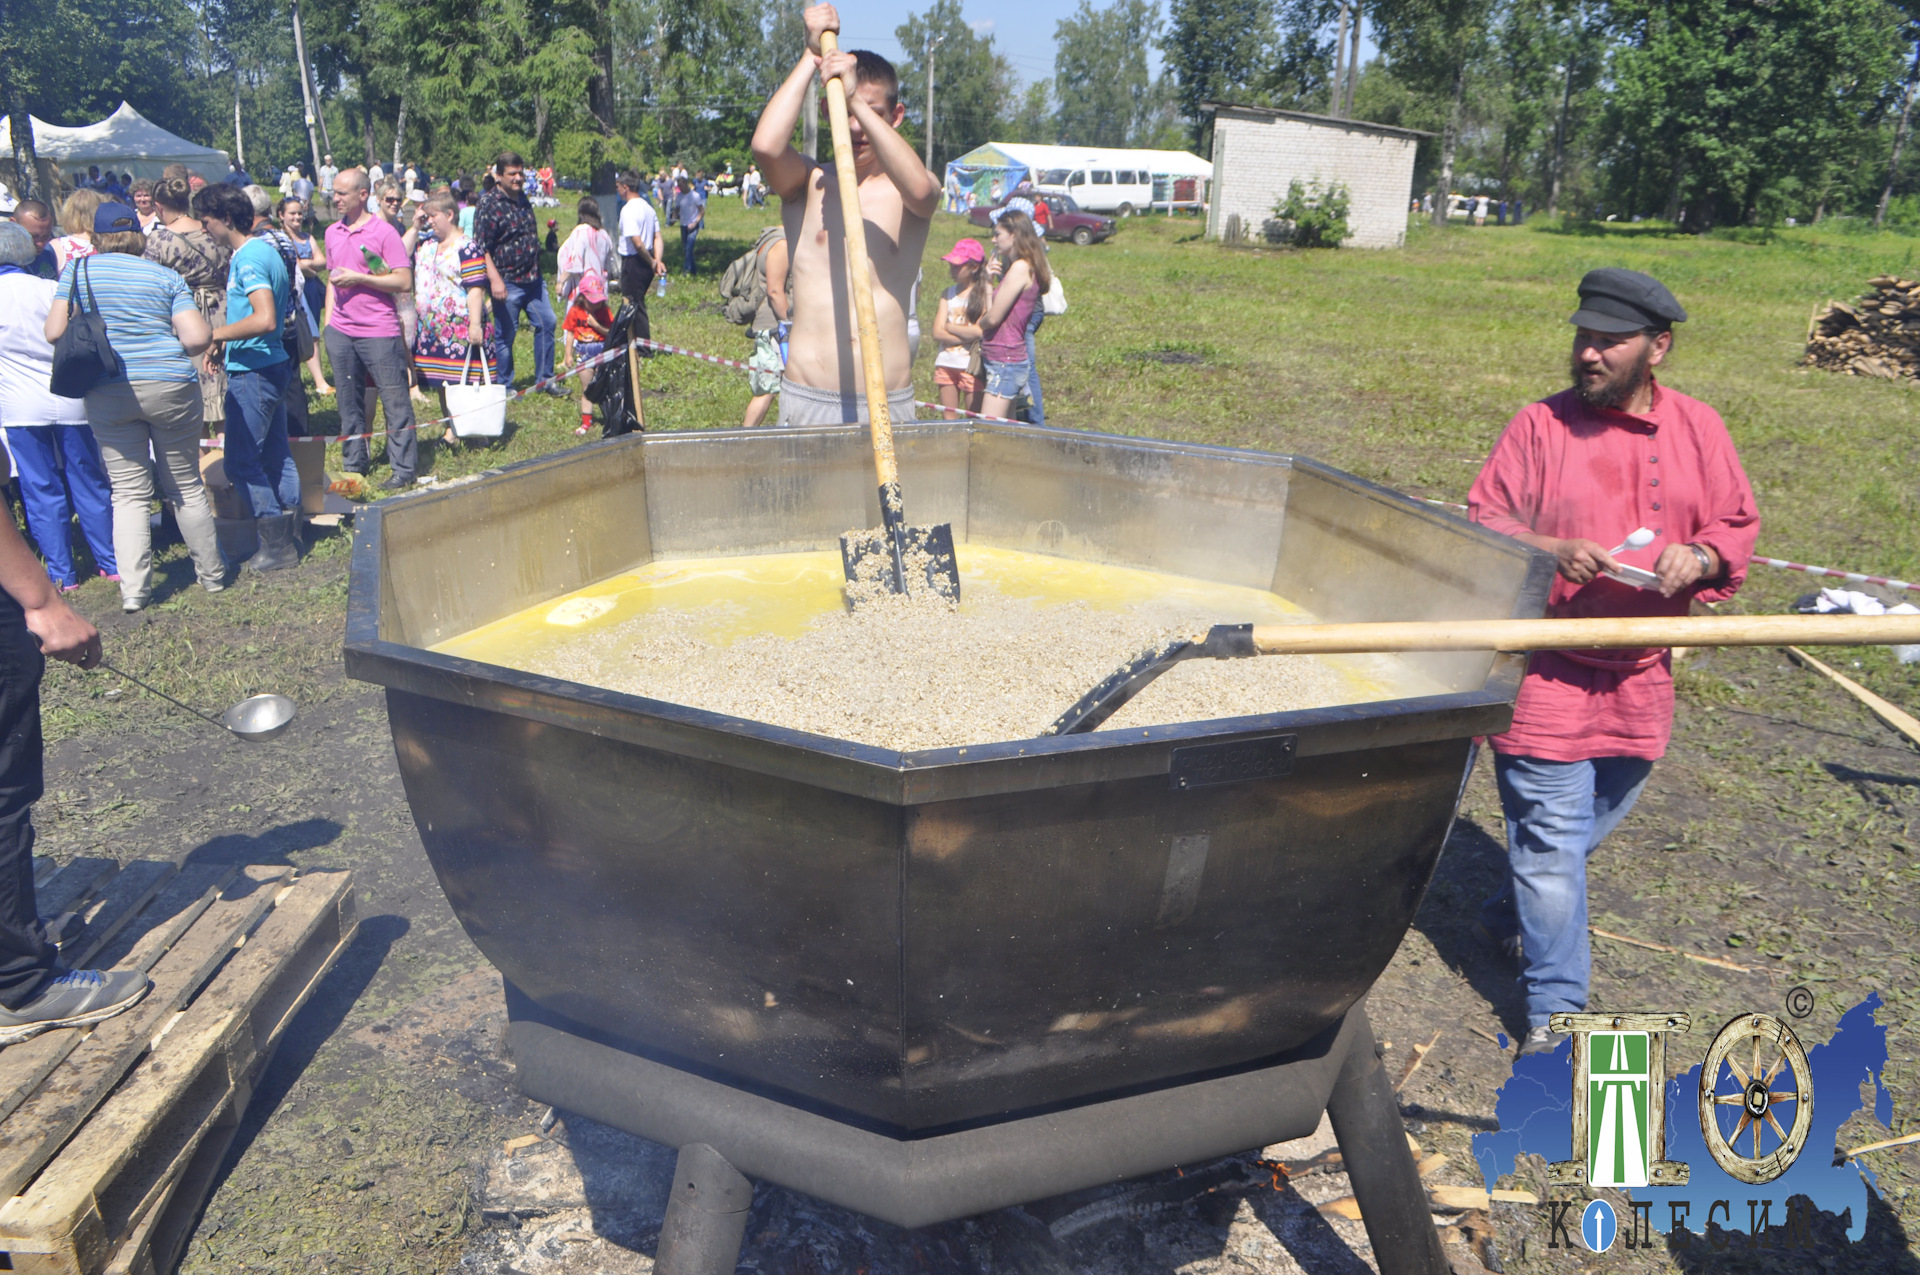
pixel 1108 97
pixel 684 88
pixel 1724 110
pixel 973 84
pixel 1215 49
pixel 1036 120
pixel 70 62
pixel 1433 46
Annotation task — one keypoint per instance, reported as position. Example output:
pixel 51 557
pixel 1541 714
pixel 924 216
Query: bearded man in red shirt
pixel 1571 475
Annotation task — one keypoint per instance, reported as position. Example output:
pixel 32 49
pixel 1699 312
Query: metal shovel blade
pixel 927 553
pixel 1222 642
pixel 259 717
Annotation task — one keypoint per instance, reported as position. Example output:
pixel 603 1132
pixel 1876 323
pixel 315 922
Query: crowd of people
pixel 217 295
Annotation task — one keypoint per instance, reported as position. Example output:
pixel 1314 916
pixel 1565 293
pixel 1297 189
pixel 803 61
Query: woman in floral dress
pixel 450 297
pixel 181 244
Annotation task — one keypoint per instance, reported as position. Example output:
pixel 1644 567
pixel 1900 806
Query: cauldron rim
pixel 916 776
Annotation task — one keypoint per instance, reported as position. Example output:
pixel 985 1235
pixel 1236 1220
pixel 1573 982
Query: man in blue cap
pixel 1571 475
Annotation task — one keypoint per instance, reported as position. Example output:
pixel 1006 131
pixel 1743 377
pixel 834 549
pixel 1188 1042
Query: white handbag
pixel 478 410
pixel 1055 300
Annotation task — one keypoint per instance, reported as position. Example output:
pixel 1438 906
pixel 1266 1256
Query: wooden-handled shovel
pixel 1231 641
pixel 932 547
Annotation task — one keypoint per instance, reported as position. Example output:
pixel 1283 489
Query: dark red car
pixel 1065 221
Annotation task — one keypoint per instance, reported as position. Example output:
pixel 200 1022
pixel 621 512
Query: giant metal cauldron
pixel 927 984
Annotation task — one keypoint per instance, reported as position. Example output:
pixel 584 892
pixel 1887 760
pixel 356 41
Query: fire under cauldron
pixel 925 985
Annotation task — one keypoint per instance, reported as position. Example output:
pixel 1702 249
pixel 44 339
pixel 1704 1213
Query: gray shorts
pixel 804 405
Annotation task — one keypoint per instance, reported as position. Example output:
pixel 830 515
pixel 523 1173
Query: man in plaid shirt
pixel 505 229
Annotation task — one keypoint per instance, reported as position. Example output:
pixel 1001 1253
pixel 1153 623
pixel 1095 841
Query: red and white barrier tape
pixel 1854 576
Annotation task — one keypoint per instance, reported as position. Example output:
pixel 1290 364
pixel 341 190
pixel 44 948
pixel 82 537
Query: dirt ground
pixel 1779 834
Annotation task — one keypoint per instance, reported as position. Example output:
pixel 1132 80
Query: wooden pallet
pixel 111 1136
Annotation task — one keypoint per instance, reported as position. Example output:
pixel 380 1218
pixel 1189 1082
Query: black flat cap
pixel 1616 300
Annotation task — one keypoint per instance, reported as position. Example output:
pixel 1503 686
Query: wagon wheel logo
pixel 1754 1071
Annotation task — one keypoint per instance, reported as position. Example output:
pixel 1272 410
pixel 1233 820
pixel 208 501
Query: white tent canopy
pixel 126 141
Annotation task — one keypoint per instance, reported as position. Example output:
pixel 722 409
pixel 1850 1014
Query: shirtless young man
pixel 824 382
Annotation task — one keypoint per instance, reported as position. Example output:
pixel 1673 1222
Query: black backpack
pixel 612 387
pixel 83 358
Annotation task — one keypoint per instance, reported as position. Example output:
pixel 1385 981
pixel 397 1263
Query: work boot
pixel 74 998
pixel 278 546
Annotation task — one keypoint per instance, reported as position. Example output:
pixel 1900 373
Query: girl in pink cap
pixel 956 327
pixel 585 328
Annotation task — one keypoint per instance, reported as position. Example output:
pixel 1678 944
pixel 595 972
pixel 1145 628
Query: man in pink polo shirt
pixel 369 268
pixel 1571 475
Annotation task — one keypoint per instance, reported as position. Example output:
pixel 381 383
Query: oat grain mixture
pixel 897 673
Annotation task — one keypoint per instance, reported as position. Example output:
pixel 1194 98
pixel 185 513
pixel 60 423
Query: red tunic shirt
pixel 1567 470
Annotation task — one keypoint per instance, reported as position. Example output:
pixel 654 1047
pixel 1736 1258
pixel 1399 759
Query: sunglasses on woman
pixel 391 201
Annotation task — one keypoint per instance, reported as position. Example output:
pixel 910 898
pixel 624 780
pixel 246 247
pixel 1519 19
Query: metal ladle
pixel 253 719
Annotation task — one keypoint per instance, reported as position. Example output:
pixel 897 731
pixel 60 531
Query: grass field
pixel 1782 830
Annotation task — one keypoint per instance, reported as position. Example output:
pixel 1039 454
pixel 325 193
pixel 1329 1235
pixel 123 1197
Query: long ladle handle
pixel 163 695
pixel 892 513
pixel 1586 634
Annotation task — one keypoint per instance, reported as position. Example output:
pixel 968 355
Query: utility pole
pixel 1560 140
pixel 933 43
pixel 1353 64
pixel 306 90
pixel 1339 63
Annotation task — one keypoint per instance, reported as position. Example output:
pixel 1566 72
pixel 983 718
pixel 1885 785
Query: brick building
pixel 1258 151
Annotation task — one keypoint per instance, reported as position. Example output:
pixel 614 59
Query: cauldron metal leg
pixel 1386 1185
pixel 706 1215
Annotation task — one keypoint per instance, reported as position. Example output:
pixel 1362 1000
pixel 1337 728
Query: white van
pixel 1118 191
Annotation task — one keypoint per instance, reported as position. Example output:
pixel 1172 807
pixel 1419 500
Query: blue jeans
pixel 1036 414
pixel 259 462
pixel 1006 380
pixel 530 299
pixel 61 475
pixel 687 237
pixel 1558 813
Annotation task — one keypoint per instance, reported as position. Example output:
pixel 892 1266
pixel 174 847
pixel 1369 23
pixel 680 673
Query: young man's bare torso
pixel 897 199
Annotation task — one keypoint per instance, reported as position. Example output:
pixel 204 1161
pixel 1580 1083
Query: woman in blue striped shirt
pixel 152 409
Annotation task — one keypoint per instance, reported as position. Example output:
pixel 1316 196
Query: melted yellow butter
pixel 782 593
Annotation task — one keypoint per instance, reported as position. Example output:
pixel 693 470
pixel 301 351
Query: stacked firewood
pixel 1878 335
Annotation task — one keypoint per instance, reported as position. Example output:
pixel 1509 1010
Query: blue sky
pixel 1022 30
